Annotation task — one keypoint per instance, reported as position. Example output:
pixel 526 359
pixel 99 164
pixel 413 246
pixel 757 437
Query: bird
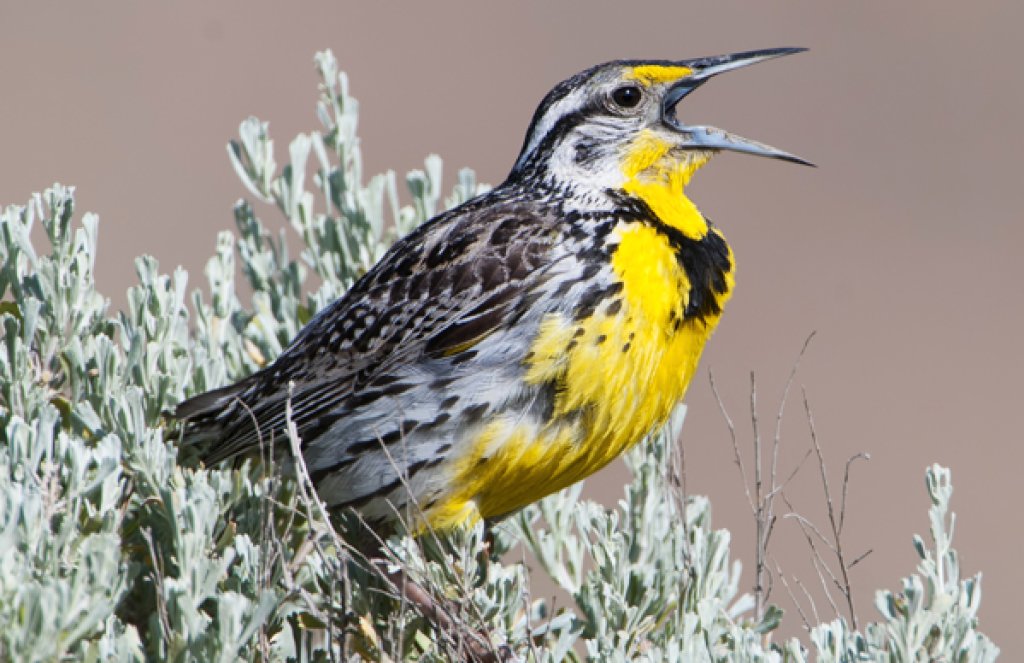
pixel 521 341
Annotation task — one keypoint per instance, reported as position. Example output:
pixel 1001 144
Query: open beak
pixel 712 138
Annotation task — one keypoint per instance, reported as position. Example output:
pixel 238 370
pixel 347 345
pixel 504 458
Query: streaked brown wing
pixel 437 292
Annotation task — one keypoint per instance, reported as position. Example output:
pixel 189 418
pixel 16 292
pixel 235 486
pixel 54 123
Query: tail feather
pixel 208 416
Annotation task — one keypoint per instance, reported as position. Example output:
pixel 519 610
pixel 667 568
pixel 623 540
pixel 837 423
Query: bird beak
pixel 712 138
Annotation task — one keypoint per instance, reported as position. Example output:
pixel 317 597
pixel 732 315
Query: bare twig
pixel 833 519
pixel 809 528
pixel 810 599
pixel 782 404
pixel 822 568
pixel 792 597
pixel 676 480
pixel 763 490
pixel 837 519
pixel 792 475
pixel 735 446
pixel 846 485
pixel 532 646
pixel 763 517
pixel 861 557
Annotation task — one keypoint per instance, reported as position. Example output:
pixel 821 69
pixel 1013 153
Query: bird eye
pixel 627 96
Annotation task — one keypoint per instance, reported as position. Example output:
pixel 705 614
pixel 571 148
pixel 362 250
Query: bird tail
pixel 208 417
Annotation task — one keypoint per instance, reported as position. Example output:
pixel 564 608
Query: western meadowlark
pixel 521 341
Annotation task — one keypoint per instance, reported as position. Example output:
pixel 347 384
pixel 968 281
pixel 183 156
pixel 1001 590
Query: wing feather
pixel 436 293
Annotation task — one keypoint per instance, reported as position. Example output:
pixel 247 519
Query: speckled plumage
pixel 514 344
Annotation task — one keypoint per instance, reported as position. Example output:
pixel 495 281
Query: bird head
pixel 617 122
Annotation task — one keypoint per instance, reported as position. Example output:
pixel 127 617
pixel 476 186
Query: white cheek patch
pixel 563 166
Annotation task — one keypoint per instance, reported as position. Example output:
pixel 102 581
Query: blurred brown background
pixel 901 249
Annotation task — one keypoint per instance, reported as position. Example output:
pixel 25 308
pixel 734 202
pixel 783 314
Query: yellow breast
pixel 618 373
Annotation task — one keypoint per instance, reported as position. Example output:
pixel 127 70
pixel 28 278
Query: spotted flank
pixel 517 343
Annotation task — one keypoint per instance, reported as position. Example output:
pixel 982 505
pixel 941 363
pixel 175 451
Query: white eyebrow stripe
pixel 564 106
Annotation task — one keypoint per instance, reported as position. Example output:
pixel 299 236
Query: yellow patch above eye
pixel 657 73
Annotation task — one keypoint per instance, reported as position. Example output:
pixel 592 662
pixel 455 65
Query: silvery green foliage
pixel 359 221
pixel 115 546
pixel 934 617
